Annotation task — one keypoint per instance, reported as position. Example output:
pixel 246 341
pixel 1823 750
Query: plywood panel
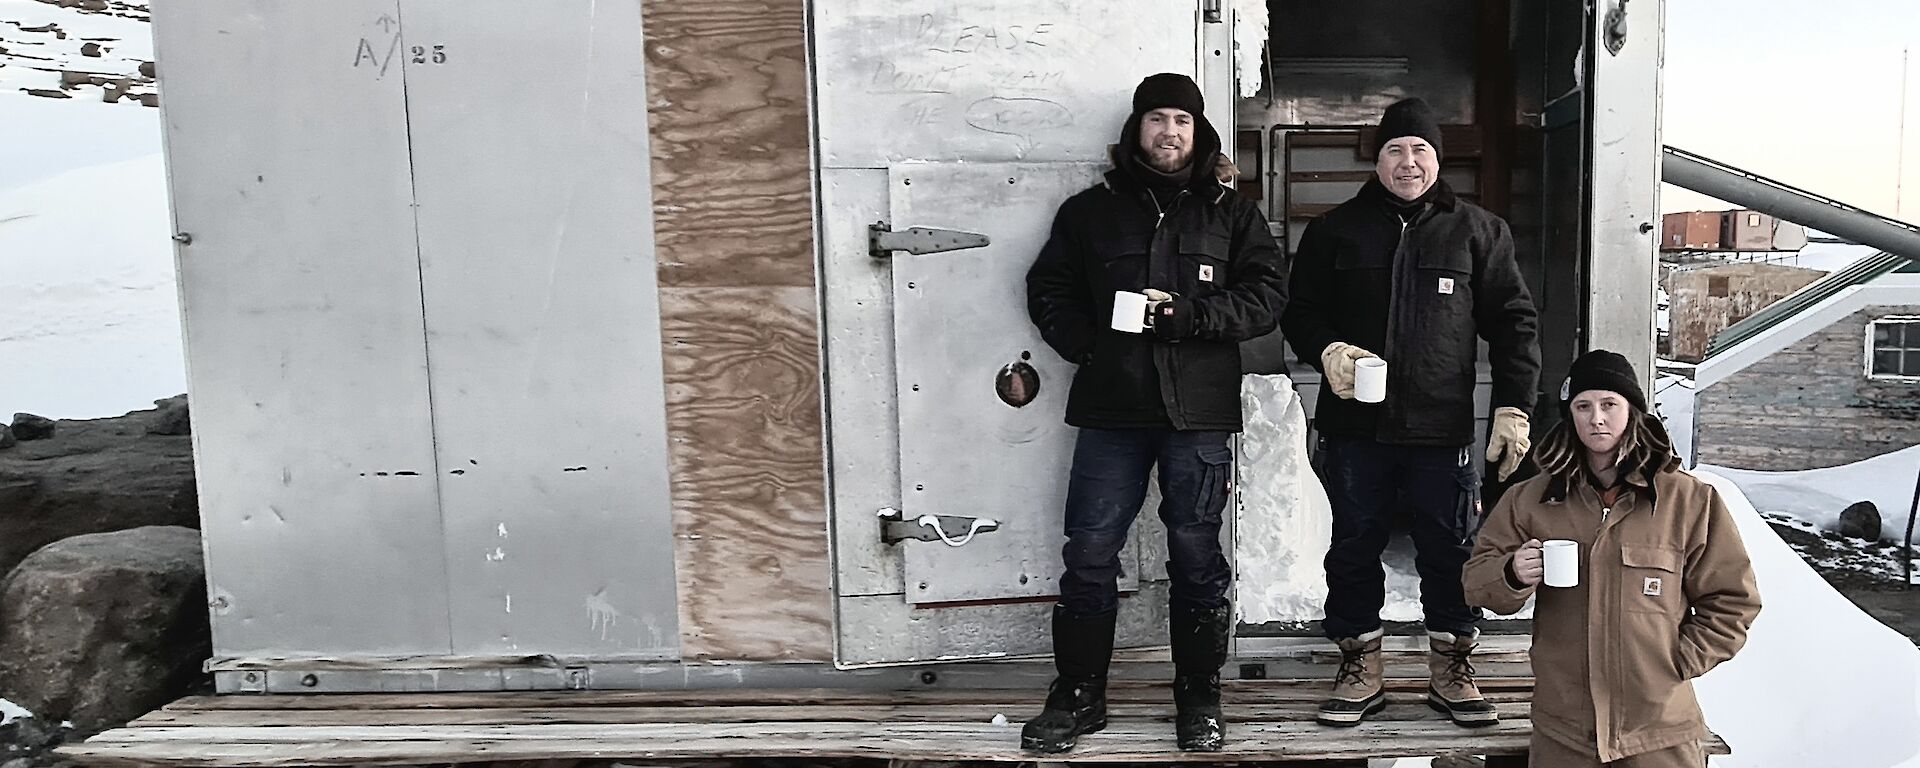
pixel 743 410
pixel 727 86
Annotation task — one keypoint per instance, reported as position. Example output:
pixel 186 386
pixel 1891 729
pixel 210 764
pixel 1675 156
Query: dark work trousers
pixel 1106 488
pixel 1367 482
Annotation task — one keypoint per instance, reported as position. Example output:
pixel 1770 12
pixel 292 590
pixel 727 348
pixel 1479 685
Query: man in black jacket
pixel 1158 225
pixel 1409 270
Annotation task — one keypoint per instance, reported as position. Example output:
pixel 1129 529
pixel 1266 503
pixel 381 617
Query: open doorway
pixel 1507 81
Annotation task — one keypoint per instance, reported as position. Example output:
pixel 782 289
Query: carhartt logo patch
pixel 1651 586
pixel 1206 273
pixel 1446 285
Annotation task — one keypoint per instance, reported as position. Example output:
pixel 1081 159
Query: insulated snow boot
pixel 1450 687
pixel 1359 688
pixel 1199 649
pixel 1077 700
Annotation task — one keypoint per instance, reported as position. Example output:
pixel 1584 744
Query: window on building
pixel 1893 347
pixel 1716 285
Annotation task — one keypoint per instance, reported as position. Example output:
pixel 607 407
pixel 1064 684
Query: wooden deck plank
pixel 1121 742
pixel 1403 706
pixel 1119 690
pixel 1269 721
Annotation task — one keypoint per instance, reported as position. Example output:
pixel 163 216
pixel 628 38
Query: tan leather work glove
pixel 1507 440
pixel 1337 362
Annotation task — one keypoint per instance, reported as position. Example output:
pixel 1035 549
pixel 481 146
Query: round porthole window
pixel 1017 384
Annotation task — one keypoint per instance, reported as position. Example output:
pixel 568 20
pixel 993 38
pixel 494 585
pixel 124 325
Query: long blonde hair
pixel 1645 448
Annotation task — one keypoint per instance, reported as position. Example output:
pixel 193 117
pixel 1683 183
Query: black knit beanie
pixel 1601 369
pixel 1168 89
pixel 1406 117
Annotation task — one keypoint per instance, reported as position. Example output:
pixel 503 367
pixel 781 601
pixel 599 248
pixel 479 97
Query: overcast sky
pixel 1807 92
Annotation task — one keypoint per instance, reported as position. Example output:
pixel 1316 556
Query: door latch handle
pixel 951 530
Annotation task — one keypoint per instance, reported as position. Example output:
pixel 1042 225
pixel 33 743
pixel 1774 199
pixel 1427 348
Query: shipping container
pixel 1746 231
pixel 1691 231
pixel 588 345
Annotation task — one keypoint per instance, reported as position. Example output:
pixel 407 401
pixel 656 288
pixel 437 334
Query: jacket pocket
pixel 1444 284
pixel 1467 507
pixel 1650 579
pixel 1203 263
pixel 1123 262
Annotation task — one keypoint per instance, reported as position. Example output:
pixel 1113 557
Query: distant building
pixel 1827 376
pixel 1705 299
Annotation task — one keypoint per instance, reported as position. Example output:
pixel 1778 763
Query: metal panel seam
pixel 426 339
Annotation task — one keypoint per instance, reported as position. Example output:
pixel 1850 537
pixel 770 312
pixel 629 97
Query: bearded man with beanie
pixel 1408 272
pixel 1169 396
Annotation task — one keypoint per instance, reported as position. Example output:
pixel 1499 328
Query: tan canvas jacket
pixel 1666 593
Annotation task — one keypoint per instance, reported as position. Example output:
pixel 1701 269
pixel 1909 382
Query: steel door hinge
pixel 1211 12
pixel 882 241
pixel 951 530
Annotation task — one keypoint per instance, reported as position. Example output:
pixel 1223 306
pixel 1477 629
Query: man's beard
pixel 1178 161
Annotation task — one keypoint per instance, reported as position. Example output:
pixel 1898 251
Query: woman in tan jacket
pixel 1665 591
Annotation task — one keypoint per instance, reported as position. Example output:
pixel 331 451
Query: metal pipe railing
pixel 1784 201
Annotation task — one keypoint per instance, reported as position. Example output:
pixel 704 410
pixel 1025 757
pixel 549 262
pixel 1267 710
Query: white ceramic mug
pixel 1369 379
pixel 1562 558
pixel 1130 312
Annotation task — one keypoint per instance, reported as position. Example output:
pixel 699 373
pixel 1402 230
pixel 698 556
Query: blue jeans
pixel 1367 482
pixel 1104 493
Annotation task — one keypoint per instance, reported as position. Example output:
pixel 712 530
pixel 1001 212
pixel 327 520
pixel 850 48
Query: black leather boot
pixel 1199 650
pixel 1077 700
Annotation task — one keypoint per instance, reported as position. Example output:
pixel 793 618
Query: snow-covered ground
pixel 1818 495
pixel 91 324
pixel 1831 257
pixel 1819 682
pixel 94 328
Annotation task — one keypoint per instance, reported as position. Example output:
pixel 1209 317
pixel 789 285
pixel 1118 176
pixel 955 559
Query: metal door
pixel 959 321
pixel 979 116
